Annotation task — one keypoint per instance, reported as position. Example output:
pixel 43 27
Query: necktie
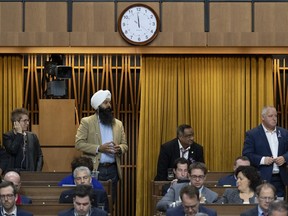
pixel 183 151
pixel 264 214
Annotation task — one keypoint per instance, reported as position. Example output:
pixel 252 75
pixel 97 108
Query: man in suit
pixel 82 176
pixel 82 203
pixel 190 205
pixel 8 197
pixel 182 146
pixel 266 146
pixel 230 180
pixel 265 193
pixel 180 170
pixel 102 138
pixel 23 147
pixel 14 177
pixel 278 208
pixel 197 176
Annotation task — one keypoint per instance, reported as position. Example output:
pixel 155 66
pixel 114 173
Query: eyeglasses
pixel 195 177
pixel 80 178
pixel 25 120
pixel 267 199
pixel 8 196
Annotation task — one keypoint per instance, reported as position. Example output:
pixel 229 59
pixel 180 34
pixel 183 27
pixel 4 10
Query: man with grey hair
pixel 266 146
pixel 82 176
pixel 278 208
pixel 102 138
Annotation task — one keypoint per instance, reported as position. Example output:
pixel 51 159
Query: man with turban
pixel 102 138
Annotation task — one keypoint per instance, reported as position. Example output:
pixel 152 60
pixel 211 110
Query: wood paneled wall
pixel 183 24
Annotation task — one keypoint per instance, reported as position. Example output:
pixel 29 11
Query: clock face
pixel 138 24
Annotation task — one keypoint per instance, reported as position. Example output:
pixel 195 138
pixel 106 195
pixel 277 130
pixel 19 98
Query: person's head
pixel 278 208
pixel 266 193
pixel 82 199
pixel 82 161
pixel 13 177
pixel 82 175
pixel 269 117
pixel 8 196
pixel 197 174
pixel 101 102
pixel 247 178
pixel 185 134
pixel 190 200
pixel 22 116
pixel 180 168
pixel 241 161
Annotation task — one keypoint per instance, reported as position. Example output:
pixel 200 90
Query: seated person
pixel 77 162
pixel 230 180
pixel 8 196
pixel 197 176
pixel 14 177
pixel 248 179
pixel 180 171
pixel 190 204
pixel 82 199
pixel 278 208
pixel 266 193
pixel 82 176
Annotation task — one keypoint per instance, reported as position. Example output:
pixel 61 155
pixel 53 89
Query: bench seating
pixel 221 209
pixel 46 195
pixel 42 178
pixel 46 209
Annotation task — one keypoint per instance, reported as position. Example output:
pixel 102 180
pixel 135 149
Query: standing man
pixel 8 197
pixel 102 137
pixel 266 146
pixel 266 193
pixel 182 146
pixel 23 147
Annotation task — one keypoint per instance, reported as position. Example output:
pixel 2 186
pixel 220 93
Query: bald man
pixel 14 177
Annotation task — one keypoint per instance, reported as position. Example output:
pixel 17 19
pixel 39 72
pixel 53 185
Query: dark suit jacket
pixel 20 212
pixel 250 212
pixel 170 151
pixel 227 180
pixel 94 212
pixel 100 198
pixel 256 146
pixel 4 157
pixel 13 144
pixel 179 211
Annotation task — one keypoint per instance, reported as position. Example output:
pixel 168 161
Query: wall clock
pixel 138 24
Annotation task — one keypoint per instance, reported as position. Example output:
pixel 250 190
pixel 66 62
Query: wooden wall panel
pixel 46 17
pixel 271 17
pixel 93 17
pixel 10 17
pixel 183 17
pixel 58 159
pixel 230 17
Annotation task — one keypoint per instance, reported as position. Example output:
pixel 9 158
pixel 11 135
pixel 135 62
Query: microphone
pixel 25 142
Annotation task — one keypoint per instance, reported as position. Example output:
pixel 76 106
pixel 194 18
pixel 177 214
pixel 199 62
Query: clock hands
pixel 138 20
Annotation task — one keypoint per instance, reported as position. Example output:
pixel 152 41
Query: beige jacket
pixel 88 138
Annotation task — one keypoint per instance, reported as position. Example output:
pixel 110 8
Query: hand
pixel 173 182
pixel 268 160
pixel 117 148
pixel 107 148
pixel 17 127
pixel 279 160
pixel 138 21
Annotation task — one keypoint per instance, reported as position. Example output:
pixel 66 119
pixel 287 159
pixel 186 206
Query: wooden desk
pixel 46 209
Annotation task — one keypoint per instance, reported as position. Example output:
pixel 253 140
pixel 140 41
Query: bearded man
pixel 102 138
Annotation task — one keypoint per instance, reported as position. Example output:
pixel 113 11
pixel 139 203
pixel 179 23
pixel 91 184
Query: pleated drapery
pixel 11 89
pixel 220 97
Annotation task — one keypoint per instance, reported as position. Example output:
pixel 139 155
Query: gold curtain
pixel 11 89
pixel 220 97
